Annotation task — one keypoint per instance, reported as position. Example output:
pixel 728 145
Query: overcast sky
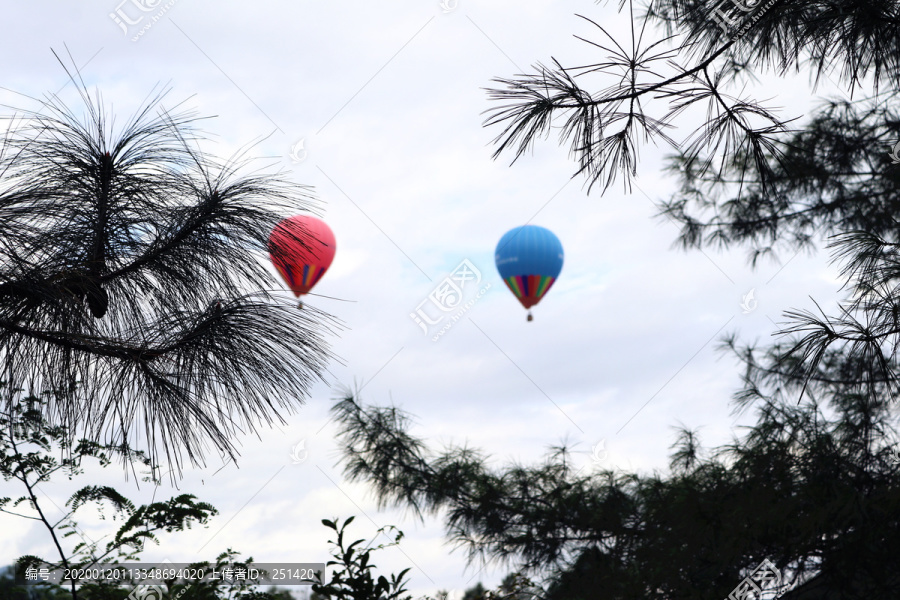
pixel 379 106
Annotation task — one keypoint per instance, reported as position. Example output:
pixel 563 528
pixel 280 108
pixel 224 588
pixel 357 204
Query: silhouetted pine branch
pixel 812 490
pixel 604 127
pixel 746 179
pixel 132 282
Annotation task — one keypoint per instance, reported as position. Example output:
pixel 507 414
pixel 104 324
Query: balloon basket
pixel 530 318
pixel 300 304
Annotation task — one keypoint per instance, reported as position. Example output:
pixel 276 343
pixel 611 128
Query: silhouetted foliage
pixel 9 590
pixel 812 489
pixel 647 81
pixel 746 178
pixel 476 592
pixel 33 451
pixel 132 285
pixel 355 579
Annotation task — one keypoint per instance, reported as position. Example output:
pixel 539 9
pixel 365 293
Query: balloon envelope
pixel 302 248
pixel 529 259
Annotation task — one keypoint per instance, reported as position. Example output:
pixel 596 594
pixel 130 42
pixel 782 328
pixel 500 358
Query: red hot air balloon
pixel 302 248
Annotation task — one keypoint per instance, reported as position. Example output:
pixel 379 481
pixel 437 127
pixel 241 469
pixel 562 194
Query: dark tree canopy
pixel 131 281
pixel 35 455
pixel 812 488
pixel 646 83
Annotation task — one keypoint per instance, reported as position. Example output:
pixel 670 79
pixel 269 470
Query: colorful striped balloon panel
pixel 303 278
pixel 529 289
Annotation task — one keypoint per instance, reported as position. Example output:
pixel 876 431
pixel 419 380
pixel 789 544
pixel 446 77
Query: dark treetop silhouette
pixel 131 281
pixel 812 488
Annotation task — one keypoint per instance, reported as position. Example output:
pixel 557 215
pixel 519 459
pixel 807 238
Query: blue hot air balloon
pixel 529 259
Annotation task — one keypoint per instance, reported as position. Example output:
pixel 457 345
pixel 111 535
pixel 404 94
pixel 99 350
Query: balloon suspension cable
pixel 330 297
pixel 281 289
pixel 530 318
